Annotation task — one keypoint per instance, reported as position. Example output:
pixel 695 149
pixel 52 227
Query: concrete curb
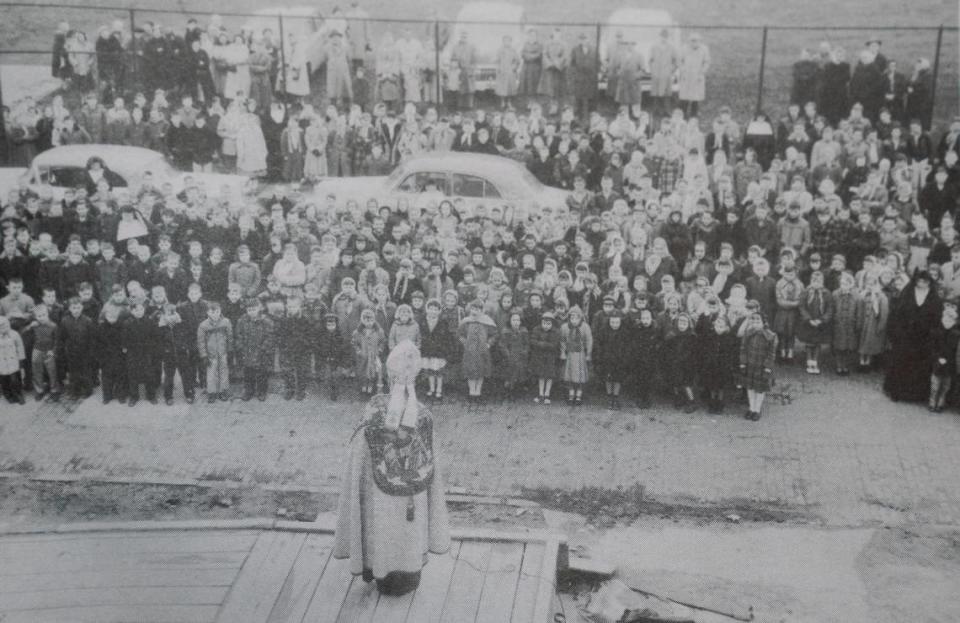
pixel 325 525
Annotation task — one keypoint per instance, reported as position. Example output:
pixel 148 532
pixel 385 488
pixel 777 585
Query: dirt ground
pixel 34 503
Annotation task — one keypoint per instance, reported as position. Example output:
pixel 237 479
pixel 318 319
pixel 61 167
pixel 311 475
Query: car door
pixel 472 190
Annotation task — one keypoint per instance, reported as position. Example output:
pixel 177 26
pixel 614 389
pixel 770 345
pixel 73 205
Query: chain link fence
pixel 752 68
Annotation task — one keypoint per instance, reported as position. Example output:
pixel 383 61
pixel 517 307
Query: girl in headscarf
pixel 576 349
pixel 476 333
pixel 758 347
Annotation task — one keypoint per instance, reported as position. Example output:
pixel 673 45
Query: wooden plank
pixel 331 591
pixel 125 596
pixel 55 581
pixel 262 578
pixel 96 547
pixel 500 583
pixel 466 584
pixel 135 560
pixel 393 608
pixel 121 534
pixel 546 588
pixel 527 583
pixel 427 604
pixel 360 602
pixel 116 614
pixel 297 591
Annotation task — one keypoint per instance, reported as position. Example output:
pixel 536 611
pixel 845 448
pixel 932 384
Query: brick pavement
pixel 834 447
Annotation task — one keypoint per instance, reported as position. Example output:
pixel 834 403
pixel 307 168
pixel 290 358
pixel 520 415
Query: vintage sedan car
pixel 471 179
pixel 63 167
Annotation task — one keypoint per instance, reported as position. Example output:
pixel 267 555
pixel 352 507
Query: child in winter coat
pixel 612 351
pixel 544 354
pixel 789 295
pixel 294 330
pixel 333 354
pixel 436 348
pixel 680 347
pixel 175 341
pixel 476 333
pixel 816 313
pixel 113 375
pixel 719 350
pixel 12 358
pixel 758 348
pixel 872 314
pixel 576 350
pixel 347 306
pixel 255 349
pixel 76 341
pixel 646 345
pixel 943 358
pixel 846 302
pixel 214 344
pixel 139 339
pixel 369 346
pixel 514 352
pixel 45 368
pixel 404 328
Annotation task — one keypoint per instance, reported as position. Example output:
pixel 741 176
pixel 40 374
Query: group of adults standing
pixel 874 82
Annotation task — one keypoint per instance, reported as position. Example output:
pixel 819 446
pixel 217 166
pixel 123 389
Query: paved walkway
pixel 836 447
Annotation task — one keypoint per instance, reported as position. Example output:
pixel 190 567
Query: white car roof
pixel 119 158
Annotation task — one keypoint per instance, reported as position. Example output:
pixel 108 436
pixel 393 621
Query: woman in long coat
pixel 873 311
pixel 912 322
pixel 833 101
pixel 251 146
pixel 920 94
pixel 664 60
pixel 694 64
pixel 388 70
pixel 532 54
pixel 629 70
pixel 339 83
pixel 555 60
pixel 236 56
pixel 315 159
pixel 866 85
pixel 296 76
pixel 508 63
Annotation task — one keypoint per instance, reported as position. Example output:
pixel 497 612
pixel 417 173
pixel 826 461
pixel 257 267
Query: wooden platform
pixel 261 576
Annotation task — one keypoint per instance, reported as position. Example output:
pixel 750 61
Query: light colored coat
pixel 694 64
pixel 508 62
pixel 664 60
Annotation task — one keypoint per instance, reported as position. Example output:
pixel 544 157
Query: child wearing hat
pixel 647 346
pixel 369 347
pixel 758 347
pixel 943 358
pixel 514 352
pixel 436 347
pixel 576 350
pixel 789 294
pixel 845 338
pixel 255 349
pixel 680 347
pixel 816 313
pixel 476 333
pixel 612 351
pixel 544 354
pixel 333 354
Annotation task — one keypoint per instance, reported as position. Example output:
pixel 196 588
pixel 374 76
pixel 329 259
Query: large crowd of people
pixel 684 264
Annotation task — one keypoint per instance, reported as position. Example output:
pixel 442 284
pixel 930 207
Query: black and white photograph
pixel 479 311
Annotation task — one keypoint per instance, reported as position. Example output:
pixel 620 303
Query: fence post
pixel 763 64
pixel 936 71
pixel 283 62
pixel 438 78
pixel 4 147
pixel 133 49
pixel 597 78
